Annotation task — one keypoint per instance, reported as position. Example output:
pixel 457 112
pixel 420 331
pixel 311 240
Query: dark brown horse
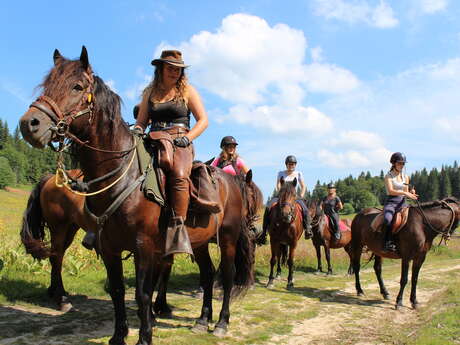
pixel 323 237
pixel 78 105
pixel 61 211
pixel 424 223
pixel 285 229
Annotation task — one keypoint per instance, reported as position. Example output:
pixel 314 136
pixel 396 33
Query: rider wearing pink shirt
pixel 228 160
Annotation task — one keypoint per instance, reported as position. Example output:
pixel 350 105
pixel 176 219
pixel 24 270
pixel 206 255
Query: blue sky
pixel 341 84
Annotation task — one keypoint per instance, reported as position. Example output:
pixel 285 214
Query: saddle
pixel 204 194
pixel 342 225
pixel 399 220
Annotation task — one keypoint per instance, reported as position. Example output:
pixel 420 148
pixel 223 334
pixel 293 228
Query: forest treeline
pixel 22 164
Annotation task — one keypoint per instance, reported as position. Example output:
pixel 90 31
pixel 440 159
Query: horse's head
pixel 454 204
pixel 67 103
pixel 254 197
pixel 287 198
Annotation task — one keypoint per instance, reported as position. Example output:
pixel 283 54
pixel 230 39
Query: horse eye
pixel 78 87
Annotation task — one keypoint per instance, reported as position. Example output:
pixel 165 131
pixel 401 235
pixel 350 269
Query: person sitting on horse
pixel 167 102
pixel 331 204
pixel 229 160
pixel 397 189
pixel 288 175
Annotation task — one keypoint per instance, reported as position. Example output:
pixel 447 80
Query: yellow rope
pixel 62 179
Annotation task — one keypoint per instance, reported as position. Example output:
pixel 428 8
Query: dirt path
pixel 340 317
pixel 17 191
pixel 367 319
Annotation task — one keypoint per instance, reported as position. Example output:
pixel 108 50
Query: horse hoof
pixel 290 286
pixel 386 296
pixel 360 294
pixel 398 306
pixel 278 276
pixel 165 314
pixel 219 332
pixel 415 306
pixel 329 273
pixel 65 307
pixel 200 328
pixel 117 342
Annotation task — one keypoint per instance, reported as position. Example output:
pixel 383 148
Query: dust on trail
pixel 363 321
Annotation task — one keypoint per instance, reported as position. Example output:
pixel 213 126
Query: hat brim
pixel 157 62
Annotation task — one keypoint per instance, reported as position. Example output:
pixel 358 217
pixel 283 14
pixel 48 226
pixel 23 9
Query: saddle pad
pixel 399 220
pixel 342 225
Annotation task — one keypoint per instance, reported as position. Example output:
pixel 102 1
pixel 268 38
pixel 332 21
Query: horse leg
pixel 357 249
pixel 145 280
pixel 327 252
pixel 207 272
pixel 61 238
pixel 228 275
pixel 378 273
pixel 402 282
pixel 349 252
pixel 416 265
pixel 114 269
pixel 318 258
pixel 290 283
pixel 161 307
pixel 275 256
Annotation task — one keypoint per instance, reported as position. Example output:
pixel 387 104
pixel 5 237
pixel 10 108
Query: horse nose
pixel 33 125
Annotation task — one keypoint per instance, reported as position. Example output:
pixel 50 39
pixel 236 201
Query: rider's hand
pixel 412 196
pixel 137 131
pixel 182 141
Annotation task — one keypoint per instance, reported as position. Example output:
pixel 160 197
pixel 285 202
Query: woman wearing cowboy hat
pixel 331 204
pixel 397 188
pixel 288 175
pixel 167 102
pixel 229 160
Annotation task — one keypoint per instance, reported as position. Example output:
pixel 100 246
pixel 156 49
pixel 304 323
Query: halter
pixel 292 211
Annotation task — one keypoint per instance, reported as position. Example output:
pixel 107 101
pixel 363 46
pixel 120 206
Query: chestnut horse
pixel 77 105
pixel 285 229
pixel 425 221
pixel 323 236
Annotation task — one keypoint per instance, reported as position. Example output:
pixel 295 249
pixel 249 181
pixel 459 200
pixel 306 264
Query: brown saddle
pixel 204 191
pixel 399 220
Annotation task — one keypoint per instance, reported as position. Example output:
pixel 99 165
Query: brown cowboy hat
pixel 172 57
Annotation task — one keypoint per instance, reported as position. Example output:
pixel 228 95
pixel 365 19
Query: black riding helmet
pixel 331 186
pixel 228 140
pixel 290 159
pixel 397 157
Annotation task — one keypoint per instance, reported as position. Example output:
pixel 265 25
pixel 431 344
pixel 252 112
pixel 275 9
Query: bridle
pixel 63 120
pixel 292 210
pixel 445 232
pixel 62 123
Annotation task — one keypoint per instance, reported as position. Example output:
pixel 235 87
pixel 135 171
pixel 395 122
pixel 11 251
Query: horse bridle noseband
pixel 291 205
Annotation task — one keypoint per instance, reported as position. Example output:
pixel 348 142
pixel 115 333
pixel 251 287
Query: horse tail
pixel 244 262
pixel 284 253
pixel 33 224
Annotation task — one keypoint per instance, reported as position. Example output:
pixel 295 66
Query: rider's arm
pixel 199 113
pixel 339 204
pixel 142 115
pixel 242 166
pixel 394 192
pixel 278 182
pixel 303 188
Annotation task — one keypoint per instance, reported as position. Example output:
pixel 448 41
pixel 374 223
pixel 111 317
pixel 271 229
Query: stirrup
pixel 389 246
pixel 177 240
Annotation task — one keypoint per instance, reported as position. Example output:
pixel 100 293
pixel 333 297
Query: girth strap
pixel 102 219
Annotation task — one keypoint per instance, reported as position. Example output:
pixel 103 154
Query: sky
pixel 340 84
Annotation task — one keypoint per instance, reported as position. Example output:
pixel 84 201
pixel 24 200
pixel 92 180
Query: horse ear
pixel 294 182
pixel 84 58
pixel 249 176
pixel 56 57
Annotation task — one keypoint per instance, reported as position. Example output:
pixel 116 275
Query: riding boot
pixel 177 240
pixel 306 222
pixel 89 241
pixel 388 244
pixel 263 236
pixel 337 233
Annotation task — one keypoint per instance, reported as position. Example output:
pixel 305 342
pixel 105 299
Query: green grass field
pixel 275 316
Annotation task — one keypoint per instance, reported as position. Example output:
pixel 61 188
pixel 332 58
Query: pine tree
pixel 432 191
pixel 445 187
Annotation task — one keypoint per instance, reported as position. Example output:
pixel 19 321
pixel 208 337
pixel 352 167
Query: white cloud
pixel 370 159
pixel 15 91
pixel 449 126
pixel 306 120
pixel 316 54
pixel 432 6
pixel 250 62
pixel 353 12
pixel 134 92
